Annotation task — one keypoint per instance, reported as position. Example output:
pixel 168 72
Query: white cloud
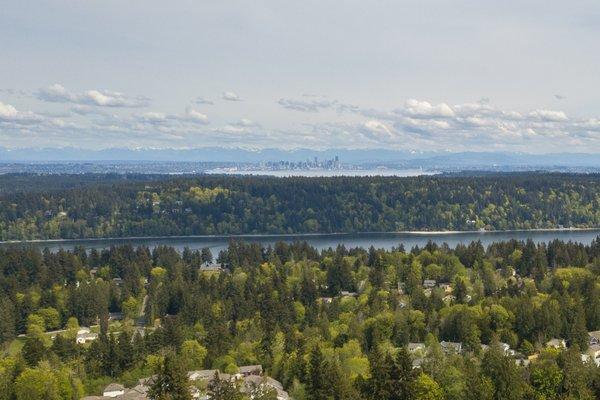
pixel 57 93
pixel 378 128
pixel 153 117
pixel 549 115
pixel 82 109
pixel 245 123
pixel 305 105
pixel 418 108
pixel 230 96
pixel 9 114
pixel 233 129
pixel 315 105
pixel 196 116
pixel 189 118
pixel 415 124
pixel 202 100
pixel 7 111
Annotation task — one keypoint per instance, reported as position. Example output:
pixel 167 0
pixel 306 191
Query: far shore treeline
pixel 94 206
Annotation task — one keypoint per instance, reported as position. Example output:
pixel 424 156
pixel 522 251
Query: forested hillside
pixel 514 321
pixel 93 206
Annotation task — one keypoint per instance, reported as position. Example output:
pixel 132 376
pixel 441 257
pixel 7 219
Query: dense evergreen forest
pixel 515 320
pixel 85 206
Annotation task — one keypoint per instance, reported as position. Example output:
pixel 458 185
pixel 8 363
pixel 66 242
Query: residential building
pixel 429 283
pixel 114 390
pixel 556 343
pixel 594 337
pixel 451 347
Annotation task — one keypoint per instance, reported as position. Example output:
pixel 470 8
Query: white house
pixel 84 335
pixel 114 390
pixel 593 352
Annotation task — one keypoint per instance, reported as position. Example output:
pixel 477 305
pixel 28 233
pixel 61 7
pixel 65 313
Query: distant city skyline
pixel 444 76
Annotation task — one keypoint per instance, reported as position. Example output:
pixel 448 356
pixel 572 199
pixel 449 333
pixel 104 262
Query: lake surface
pixel 379 240
pixel 323 173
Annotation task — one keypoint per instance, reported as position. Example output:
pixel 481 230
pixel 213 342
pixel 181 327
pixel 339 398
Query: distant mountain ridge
pixel 401 158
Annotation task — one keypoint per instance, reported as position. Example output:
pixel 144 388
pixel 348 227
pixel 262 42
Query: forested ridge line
pixel 92 206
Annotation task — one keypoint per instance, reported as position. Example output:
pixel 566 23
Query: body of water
pixel 379 240
pixel 323 172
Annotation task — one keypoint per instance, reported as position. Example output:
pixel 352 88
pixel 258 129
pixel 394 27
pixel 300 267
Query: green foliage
pixel 104 206
pixel 46 383
pixel 223 389
pixel 282 307
pixel 193 354
pixel 130 308
pixel 425 388
pixel 171 381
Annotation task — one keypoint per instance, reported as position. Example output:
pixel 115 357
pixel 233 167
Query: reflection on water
pixel 323 172
pixel 379 240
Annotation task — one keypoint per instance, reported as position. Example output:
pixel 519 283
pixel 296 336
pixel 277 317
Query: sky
pixel 429 75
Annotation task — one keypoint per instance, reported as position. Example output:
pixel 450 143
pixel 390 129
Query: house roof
pixel 133 395
pixel 114 387
pixel 247 369
pixel 555 342
pixel 202 374
pixel 455 346
pixel 594 334
pixel 415 346
pixel 88 335
pixel 593 349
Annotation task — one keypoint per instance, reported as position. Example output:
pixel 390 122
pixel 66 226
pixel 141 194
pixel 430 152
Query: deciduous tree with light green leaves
pixel 193 354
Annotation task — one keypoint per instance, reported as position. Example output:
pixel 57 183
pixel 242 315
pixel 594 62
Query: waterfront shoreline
pixel 299 235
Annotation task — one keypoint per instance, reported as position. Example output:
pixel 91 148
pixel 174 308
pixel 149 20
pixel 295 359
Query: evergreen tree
pixel 503 373
pixel 33 350
pixel 478 385
pixel 7 319
pixel 317 386
pixel 171 381
pixel 403 376
pixel 223 389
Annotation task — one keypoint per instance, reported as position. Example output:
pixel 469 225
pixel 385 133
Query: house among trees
pixel 446 287
pixel 415 347
pixel 451 347
pixel 249 379
pixel 449 298
pixel 114 390
pixel 429 283
pixel 203 375
pixel 211 267
pixel 556 343
pixel 594 337
pixel 248 370
pixel 593 354
pixel 253 381
pixel 84 335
